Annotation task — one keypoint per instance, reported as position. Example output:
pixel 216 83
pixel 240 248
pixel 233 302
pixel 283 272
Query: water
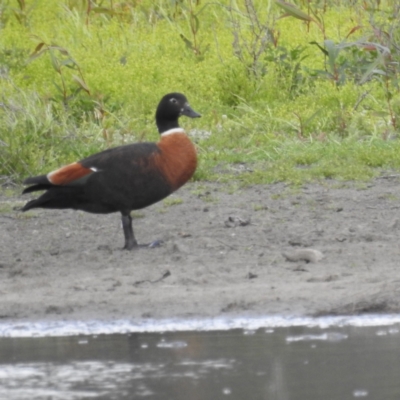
pixel 289 362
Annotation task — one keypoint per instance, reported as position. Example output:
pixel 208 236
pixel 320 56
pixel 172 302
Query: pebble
pixel 308 255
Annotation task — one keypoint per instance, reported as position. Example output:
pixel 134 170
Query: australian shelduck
pixel 124 178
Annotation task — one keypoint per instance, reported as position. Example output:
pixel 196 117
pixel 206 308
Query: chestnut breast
pixel 177 159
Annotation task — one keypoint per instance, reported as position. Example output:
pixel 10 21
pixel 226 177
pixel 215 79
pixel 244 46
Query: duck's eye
pixel 173 100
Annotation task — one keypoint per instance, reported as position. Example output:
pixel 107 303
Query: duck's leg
pixel 130 241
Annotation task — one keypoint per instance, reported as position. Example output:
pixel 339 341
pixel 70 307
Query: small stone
pixel 232 222
pixel 54 252
pixel 307 255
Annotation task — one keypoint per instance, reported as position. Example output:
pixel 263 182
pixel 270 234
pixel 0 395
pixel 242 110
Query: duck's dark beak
pixel 189 112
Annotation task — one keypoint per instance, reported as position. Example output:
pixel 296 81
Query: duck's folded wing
pixel 69 175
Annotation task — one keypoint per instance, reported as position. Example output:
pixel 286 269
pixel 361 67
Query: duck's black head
pixel 170 108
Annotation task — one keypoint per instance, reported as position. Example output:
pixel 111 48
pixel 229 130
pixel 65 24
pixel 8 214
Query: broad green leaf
pixel 37 49
pixel 333 52
pixel 194 23
pixel 372 70
pixel 356 28
pixel 62 50
pixel 68 63
pixel 293 11
pixel 187 41
pixel 103 10
pixel 37 55
pixel 55 62
pixel 81 83
pixel 58 87
pixel 320 47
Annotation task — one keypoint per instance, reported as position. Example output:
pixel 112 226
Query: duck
pixel 124 178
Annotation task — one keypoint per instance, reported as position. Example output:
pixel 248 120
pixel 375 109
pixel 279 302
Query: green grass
pixel 5 208
pixel 292 115
pixel 172 201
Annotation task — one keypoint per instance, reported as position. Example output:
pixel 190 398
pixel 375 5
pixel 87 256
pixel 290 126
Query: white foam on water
pixel 97 327
pixel 326 337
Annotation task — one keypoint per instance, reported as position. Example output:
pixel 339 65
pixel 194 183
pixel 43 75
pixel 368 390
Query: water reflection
pixel 284 363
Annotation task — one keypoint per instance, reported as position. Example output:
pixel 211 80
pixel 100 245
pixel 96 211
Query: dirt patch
pixel 225 252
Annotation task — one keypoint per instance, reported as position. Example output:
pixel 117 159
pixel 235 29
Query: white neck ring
pixel 172 131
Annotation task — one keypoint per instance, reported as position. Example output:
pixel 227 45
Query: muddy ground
pixel 224 252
